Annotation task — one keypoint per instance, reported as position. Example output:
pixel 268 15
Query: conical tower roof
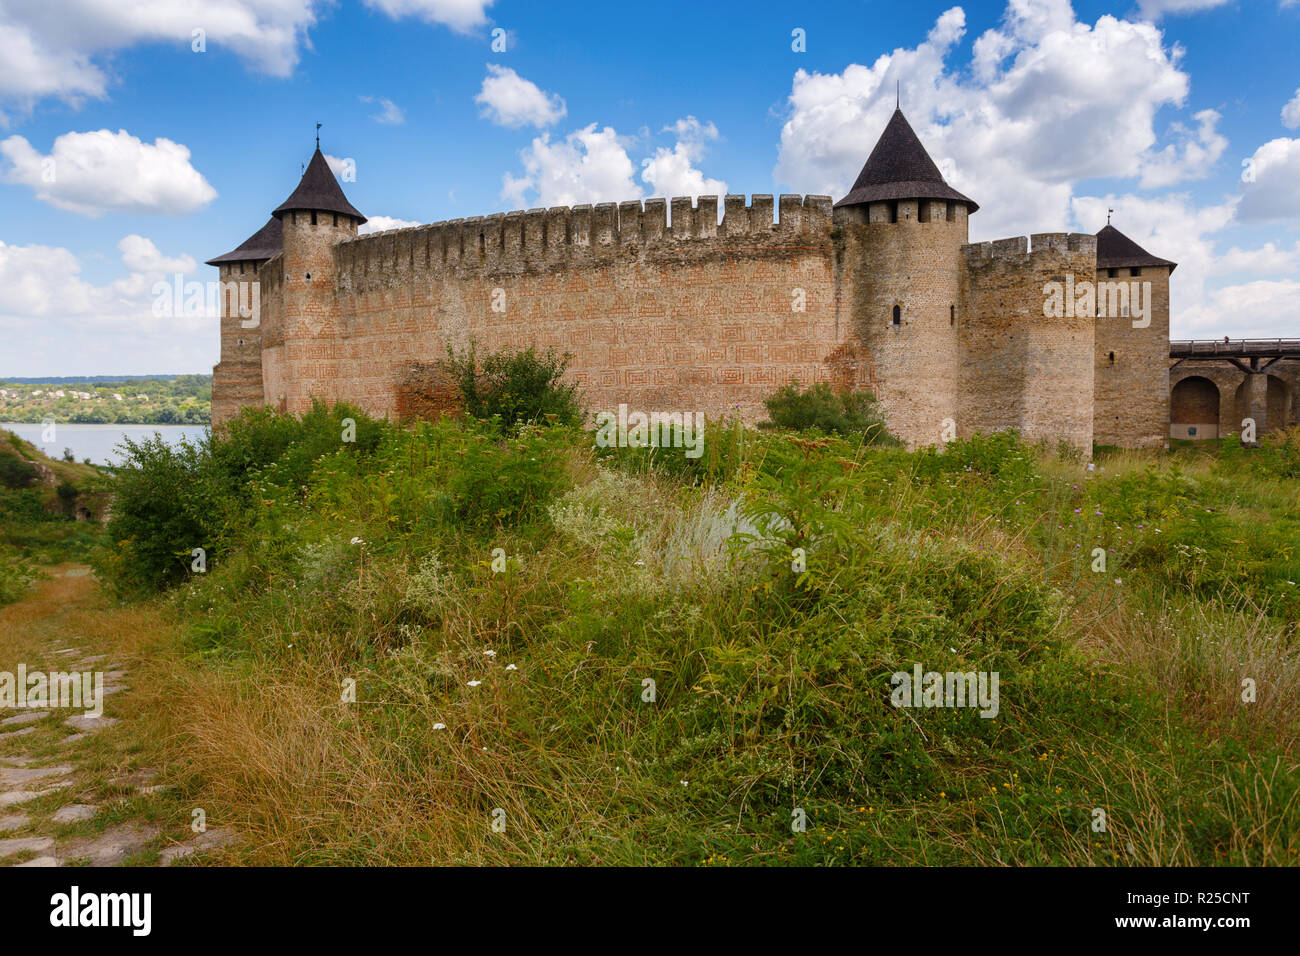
pixel 1117 251
pixel 260 246
pixel 318 190
pixel 900 168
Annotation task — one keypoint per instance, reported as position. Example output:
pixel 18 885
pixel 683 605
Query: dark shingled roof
pixel 319 190
pixel 1117 251
pixel 900 168
pixel 260 246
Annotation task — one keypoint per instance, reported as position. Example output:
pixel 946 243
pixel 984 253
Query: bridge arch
pixel 1194 408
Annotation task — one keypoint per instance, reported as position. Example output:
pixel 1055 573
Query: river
pixel 97 442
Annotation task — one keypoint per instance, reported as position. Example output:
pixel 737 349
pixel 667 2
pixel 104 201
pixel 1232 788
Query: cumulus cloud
pixel 460 15
pixel 1291 112
pixel 508 99
pixel 672 172
pixel 1045 101
pixel 1193 157
pixel 591 165
pixel 1271 183
pixel 390 114
pixel 52 49
pixel 101 171
pixel 588 165
pixel 382 223
pixel 68 325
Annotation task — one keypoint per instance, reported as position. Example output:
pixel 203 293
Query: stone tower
pixel 900 233
pixel 300 348
pixel 1131 378
pixel 237 378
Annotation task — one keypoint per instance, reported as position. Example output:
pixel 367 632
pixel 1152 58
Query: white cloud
pixel 459 15
pixel 1155 9
pixel 1193 158
pixel 44 282
pixel 508 99
pixel 1212 293
pixel 390 114
pixel 56 322
pixel 101 171
pixel 672 172
pixel 587 166
pixel 382 223
pixel 1044 102
pixel 1274 195
pixel 51 49
pixel 1291 112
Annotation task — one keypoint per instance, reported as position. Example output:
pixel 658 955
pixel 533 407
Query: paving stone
pixel 74 813
pixel 14 797
pixel 13 822
pixel 18 733
pixel 82 722
pixel 209 840
pixel 27 718
pixel 39 861
pixel 112 846
pixel 21 775
pixel 37 844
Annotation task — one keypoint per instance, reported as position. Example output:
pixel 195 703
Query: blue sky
pixel 1046 113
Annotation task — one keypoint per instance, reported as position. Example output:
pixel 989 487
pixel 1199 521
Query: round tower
pixel 302 352
pixel 901 229
pixel 237 378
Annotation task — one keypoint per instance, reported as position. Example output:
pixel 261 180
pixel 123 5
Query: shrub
pixel 15 577
pixel 834 412
pixel 166 504
pixel 15 472
pixel 516 387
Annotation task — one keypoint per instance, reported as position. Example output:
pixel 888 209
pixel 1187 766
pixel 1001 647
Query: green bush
pixel 15 577
pixel 16 472
pixel 515 387
pixel 166 503
pixel 825 409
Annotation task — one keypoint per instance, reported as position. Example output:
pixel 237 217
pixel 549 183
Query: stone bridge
pixel 1216 384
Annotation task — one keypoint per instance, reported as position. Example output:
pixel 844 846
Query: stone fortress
pixel 665 307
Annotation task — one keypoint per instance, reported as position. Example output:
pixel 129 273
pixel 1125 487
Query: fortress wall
pixel 237 378
pixel 911 263
pixel 1020 368
pixel 690 314
pixel 1131 385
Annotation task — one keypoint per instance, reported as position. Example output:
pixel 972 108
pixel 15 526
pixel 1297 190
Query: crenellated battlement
pixel 1022 247
pixel 549 236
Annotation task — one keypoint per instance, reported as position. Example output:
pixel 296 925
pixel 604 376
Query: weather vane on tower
pixel 318 135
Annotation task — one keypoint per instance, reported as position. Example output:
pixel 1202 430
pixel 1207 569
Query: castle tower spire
pixel 900 168
pixel 318 191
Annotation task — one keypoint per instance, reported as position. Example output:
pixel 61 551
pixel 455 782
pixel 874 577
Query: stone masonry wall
pixel 906 255
pixel 693 316
pixel 237 379
pixel 1020 368
pixel 1131 382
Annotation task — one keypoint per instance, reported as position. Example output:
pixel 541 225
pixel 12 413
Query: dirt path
pixel 78 789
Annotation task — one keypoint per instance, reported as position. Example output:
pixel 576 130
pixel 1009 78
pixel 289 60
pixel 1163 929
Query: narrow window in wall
pixel 923 211
pixel 313 217
pixel 1112 358
pixel 952 315
pixel 893 211
pixel 336 219
pixel 1112 273
pixel 1135 271
pixel 898 315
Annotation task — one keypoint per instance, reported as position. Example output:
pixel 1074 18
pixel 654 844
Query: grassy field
pixel 446 645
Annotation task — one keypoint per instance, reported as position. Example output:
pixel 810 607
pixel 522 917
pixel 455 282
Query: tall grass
pixel 621 659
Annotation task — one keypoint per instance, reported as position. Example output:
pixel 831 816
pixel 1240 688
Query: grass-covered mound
pixel 41 499
pixel 452 644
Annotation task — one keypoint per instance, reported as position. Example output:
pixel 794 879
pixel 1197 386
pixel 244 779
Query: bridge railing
pixel 1183 347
